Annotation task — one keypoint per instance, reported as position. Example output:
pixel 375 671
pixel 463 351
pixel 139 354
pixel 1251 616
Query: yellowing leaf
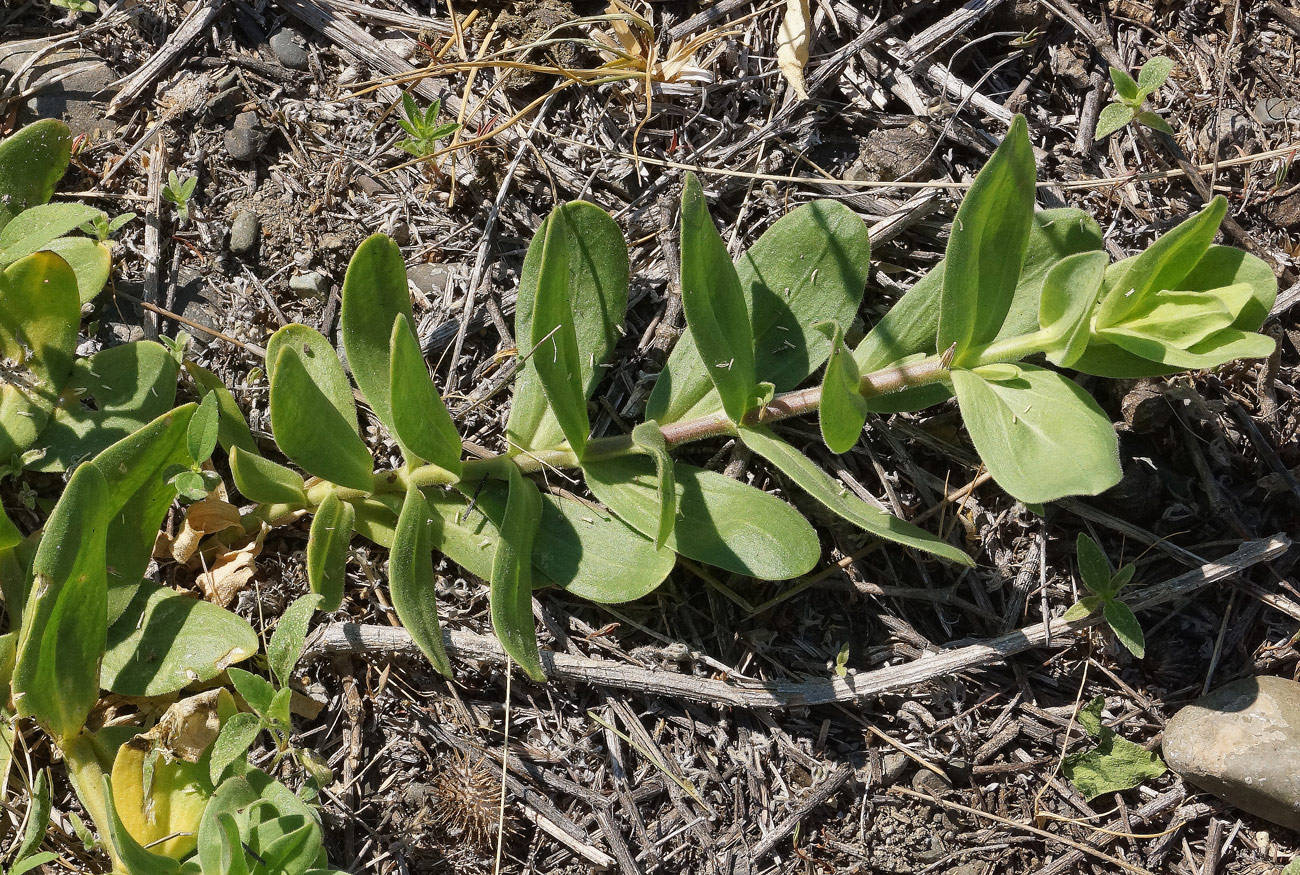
pixel 792 44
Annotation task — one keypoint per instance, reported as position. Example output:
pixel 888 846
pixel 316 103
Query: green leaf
pixel 1115 764
pixel 164 641
pixel 290 633
pixel 553 337
pixel 320 360
pixel 89 259
pixel 1084 607
pixel 1224 266
pixel 1155 123
pixel 597 293
pixel 189 485
pixel 1124 623
pixel 129 386
pixel 421 423
pixel 512 585
pixel 56 677
pixel 1122 578
pixel 135 859
pixel 278 713
pixel 232 429
pixel 650 439
pixel 237 735
pixel 1154 73
pixel 9 534
pixel 985 254
pixel 38 816
pixel 843 411
pixel 1163 265
pixel 261 480
pixel 32 230
pixel 201 439
pixel 23 866
pixel 785 296
pixel 716 313
pixel 1125 87
pixel 256 690
pixel 411 580
pixel 1094 567
pixel 1113 116
pixel 1023 429
pixel 719 520
pixel 374 295
pixel 839 501
pixel 32 161
pixel 39 312
pixel 1065 309
pixel 327 550
pixel 310 430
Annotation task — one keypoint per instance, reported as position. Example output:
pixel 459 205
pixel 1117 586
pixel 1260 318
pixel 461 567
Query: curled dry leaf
pixel 792 44
pixel 232 571
pixel 203 518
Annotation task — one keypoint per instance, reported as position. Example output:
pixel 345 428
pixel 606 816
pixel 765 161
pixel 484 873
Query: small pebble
pixel 244 232
pixel 290 48
pixel 313 283
pixel 431 279
pixel 223 103
pixel 1242 743
pixel 246 140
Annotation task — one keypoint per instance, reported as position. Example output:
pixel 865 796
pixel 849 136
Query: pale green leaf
pixel 290 633
pixel 89 259
pixel 1154 73
pixel 843 411
pixel 1125 87
pixel 237 735
pixel 421 423
pixel 232 429
pixel 411 580
pixel 32 160
pixel 201 437
pixel 511 598
pixel 261 480
pixel 1124 623
pixel 1069 294
pixel 310 430
pixel 1113 116
pixel 327 550
pixel 1083 608
pixel 374 295
pixel 31 230
pixel 650 439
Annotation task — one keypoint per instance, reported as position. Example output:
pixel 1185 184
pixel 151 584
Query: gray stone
pixel 1242 743
pixel 370 186
pixel 290 48
pixel 431 279
pixel 197 302
pixel 244 232
pixel 79 99
pixel 1226 133
pixel 223 103
pixel 246 140
pixel 312 283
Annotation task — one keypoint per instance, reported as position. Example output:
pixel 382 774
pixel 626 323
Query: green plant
pixel 178 191
pixel 1113 764
pixel 423 128
pixel 55 408
pixel 1105 585
pixel 1132 98
pixel 102 229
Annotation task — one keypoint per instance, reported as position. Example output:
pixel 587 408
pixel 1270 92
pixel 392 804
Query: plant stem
pixel 87 773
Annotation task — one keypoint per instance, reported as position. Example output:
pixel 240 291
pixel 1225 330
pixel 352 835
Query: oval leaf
pixel 843 411
pixel 310 430
pixel 1069 294
pixel 32 161
pixel 327 550
pixel 411 581
pixel 719 520
pixel 89 259
pixel 512 583
pixel 1024 429
pixel 420 421
pixel 319 359
pixel 261 480
pixel 837 499
pixel 201 438
pixel 285 646
pixel 374 294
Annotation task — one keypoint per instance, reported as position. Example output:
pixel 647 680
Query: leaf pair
pixel 1105 586
pixel 1132 95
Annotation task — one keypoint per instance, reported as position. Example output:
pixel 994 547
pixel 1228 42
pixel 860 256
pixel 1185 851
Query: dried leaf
pixel 203 518
pixel 233 570
pixel 792 44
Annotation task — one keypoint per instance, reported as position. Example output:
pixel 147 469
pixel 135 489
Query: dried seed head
pixel 464 798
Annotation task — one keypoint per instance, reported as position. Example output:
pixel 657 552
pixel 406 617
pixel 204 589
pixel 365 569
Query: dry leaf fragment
pixel 203 518
pixel 792 44
pixel 233 570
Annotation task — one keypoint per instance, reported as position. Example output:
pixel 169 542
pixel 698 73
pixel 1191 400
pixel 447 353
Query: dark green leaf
pixel 1125 87
pixel 1124 623
pixel 261 480
pixel 650 439
pixel 1023 429
pixel 236 737
pixel 189 485
pixel 784 295
pixel 411 580
pixel 32 161
pixel 1155 123
pixel 986 251
pixel 38 816
pixel 9 534
pixel 1113 116
pixel 553 336
pixel 56 677
pixel 327 550
pixel 1094 567
pixel 421 423
pixel 597 291
pixel 164 641
pixel 512 585
pixel 719 520
pixel 838 500
pixel 201 439
pixel 286 643
pixel 843 411
pixel 256 690
pixel 1122 578
pixel 311 431
pixel 232 428
pixel 32 229
pixel 716 312
pixel 374 295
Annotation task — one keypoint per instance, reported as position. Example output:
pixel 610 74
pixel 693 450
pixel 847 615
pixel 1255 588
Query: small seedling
pixel 101 228
pixel 1105 586
pixel 1132 97
pixel 178 191
pixel 423 128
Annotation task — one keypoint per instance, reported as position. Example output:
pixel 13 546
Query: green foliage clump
pixel 1105 586
pixel 1113 764
pixel 1133 97
pixel 422 128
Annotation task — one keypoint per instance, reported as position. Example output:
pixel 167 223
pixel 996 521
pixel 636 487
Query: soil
pixel 1210 459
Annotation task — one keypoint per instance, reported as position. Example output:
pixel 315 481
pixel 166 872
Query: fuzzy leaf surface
pixel 411 581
